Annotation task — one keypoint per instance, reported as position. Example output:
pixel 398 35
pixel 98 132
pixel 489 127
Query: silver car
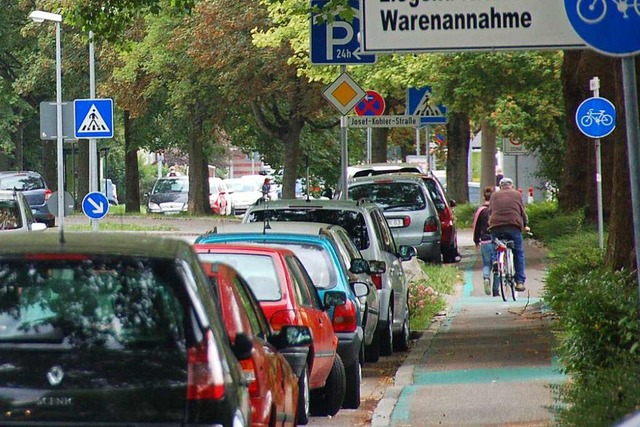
pixel 408 208
pixel 368 229
pixel 16 215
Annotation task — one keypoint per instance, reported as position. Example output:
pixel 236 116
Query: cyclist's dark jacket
pixel 506 211
pixel 481 232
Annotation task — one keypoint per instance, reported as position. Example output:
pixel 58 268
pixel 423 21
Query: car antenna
pixel 307 167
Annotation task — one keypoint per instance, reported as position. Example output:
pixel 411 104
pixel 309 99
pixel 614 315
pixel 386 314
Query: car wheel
pixel 372 351
pixel 386 333
pixel 403 339
pixel 50 222
pixel 353 375
pixel 450 254
pixel 328 400
pixel 303 410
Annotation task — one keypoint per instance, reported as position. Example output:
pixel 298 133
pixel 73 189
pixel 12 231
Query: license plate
pixel 395 222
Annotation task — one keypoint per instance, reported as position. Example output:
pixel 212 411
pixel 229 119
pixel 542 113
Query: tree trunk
pixel 488 157
pixel 458 142
pixel 291 141
pixel 19 150
pixel 131 171
pixel 379 138
pixel 198 173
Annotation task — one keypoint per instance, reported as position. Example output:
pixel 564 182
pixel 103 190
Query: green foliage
pixel 463 214
pixel 426 296
pixel 549 224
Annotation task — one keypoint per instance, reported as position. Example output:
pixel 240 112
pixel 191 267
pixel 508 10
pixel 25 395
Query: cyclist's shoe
pixel 520 287
pixel 487 287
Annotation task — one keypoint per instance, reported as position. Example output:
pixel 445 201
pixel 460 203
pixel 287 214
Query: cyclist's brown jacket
pixel 506 210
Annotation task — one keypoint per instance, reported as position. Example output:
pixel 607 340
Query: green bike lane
pixel 486 363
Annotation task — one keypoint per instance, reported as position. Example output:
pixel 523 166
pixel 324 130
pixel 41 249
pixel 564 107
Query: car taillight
pixel 430 225
pixel 249 369
pixel 47 194
pixel 345 317
pixel 282 318
pixel 205 379
pixel 377 280
pixel 406 221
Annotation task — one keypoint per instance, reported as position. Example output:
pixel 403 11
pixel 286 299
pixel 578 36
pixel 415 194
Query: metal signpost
pixel 615 31
pixel 419 103
pixel 371 105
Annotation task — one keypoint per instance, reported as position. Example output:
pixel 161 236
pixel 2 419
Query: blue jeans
pixel 518 250
pixel 488 252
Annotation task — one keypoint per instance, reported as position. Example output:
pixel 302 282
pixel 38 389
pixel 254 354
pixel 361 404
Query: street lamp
pixel 40 16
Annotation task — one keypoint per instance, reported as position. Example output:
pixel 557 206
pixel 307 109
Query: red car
pixel 273 386
pixel 287 296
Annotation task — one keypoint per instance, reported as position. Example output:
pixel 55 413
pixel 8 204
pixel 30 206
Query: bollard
pixel 530 197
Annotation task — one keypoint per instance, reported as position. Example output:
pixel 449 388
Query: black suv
pixel 35 189
pixel 120 330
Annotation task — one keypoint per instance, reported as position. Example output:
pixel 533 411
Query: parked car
pixel 366 225
pixel 15 214
pixel 317 249
pixel 170 195
pixel 219 198
pixel 35 189
pixel 408 208
pixel 108 188
pixel 287 297
pixel 117 330
pixel 244 193
pixel 273 385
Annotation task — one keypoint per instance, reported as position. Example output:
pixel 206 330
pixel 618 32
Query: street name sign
pixel 93 118
pixel 596 117
pixel 344 93
pixel 463 25
pixel 95 205
pixel 336 41
pixel 611 29
pixel 383 121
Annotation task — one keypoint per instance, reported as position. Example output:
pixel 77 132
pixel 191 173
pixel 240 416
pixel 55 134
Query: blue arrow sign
pixel 610 28
pixel 95 205
pixel 93 118
pixel 596 117
pixel 337 42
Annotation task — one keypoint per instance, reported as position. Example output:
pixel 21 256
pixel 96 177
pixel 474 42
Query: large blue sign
pixel 95 205
pixel 610 27
pixel 93 118
pixel 337 42
pixel 419 104
pixel 596 117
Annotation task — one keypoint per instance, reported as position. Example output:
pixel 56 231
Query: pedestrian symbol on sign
pixel 93 121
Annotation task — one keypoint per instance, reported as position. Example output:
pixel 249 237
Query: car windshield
pixel 21 182
pixel 352 221
pixel 390 196
pixel 261 277
pixel 10 217
pixel 104 303
pixel 171 186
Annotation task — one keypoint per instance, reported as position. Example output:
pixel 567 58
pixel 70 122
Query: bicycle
pixel 596 10
pixel 504 269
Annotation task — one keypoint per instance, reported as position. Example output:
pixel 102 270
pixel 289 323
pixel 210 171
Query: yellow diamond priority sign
pixel 344 93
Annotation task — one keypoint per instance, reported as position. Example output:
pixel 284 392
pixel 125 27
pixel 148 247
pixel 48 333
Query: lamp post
pixel 40 16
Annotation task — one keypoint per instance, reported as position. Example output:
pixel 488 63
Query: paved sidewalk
pixel 487 363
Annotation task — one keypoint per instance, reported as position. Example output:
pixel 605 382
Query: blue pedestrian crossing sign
pixel 419 104
pixel 95 205
pixel 93 118
pixel 596 117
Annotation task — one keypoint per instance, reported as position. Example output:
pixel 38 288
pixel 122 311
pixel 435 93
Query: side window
pixel 385 233
pixel 304 283
pixel 257 323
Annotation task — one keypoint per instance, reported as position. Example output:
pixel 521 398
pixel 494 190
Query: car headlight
pixel 154 206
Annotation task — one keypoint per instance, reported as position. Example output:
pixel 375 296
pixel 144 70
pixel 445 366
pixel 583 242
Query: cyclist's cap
pixel 504 182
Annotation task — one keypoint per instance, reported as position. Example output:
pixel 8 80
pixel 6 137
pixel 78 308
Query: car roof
pixel 381 168
pixel 401 176
pixel 4 173
pixel 250 248
pixel 275 227
pixel 314 204
pixel 9 195
pixel 104 243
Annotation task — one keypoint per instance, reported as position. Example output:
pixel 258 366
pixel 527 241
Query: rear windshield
pixel 108 303
pixel 261 275
pixel 390 196
pixel 10 218
pixel 171 186
pixel 21 182
pixel 352 221
pixel 317 261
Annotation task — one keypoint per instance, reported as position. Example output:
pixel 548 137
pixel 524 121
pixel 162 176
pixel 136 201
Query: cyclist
pixel 507 220
pixel 483 241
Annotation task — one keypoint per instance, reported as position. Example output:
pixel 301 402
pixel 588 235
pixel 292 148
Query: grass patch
pixel 427 296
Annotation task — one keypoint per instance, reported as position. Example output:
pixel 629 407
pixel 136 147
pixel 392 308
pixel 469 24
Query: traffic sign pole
pixel 93 143
pixel 594 84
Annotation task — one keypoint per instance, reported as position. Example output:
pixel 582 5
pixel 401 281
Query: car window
pixel 317 261
pixel 305 291
pixel 171 186
pixel 262 277
pixel 109 303
pixel 22 182
pixel 390 196
pixel 346 247
pixel 254 314
pixel 10 218
pixel 435 194
pixel 388 244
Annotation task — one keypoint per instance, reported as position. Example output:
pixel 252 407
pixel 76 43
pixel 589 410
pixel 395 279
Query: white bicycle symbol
pixel 600 118
pixel 594 11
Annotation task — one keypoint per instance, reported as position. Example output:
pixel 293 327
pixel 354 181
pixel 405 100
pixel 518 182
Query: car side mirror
pixel 360 266
pixel 334 298
pixel 38 226
pixel 243 346
pixel 292 336
pixel 360 289
pixel 452 203
pixel 407 252
pixel 377 267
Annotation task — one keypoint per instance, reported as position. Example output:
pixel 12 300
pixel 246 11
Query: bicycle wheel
pixel 502 278
pixel 511 275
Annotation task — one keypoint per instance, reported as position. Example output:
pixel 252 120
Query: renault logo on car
pixel 55 375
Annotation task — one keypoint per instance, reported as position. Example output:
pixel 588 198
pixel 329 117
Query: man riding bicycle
pixel 507 220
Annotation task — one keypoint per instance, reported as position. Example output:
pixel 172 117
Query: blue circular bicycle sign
pixel 596 117
pixel 611 27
